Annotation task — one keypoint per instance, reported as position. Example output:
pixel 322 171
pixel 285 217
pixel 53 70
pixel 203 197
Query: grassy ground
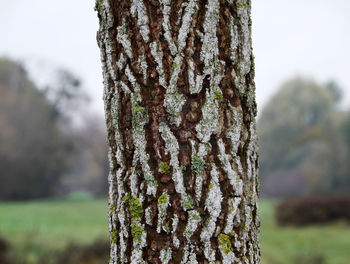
pixel 317 244
pixel 35 228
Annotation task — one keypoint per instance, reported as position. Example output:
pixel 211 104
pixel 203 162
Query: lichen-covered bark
pixel 180 112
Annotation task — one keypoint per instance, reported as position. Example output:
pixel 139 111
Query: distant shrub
pixel 310 259
pixel 95 253
pixel 3 252
pixel 313 210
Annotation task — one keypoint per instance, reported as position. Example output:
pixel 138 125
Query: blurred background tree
pixel 65 93
pixel 303 138
pixel 33 153
pixel 39 146
pixel 89 164
pixel 345 130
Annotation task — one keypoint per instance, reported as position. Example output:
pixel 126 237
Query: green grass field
pixel 37 228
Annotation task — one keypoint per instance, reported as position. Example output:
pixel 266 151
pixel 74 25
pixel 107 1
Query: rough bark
pixel 180 111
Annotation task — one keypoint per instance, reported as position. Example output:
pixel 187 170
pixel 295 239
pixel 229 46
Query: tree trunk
pixel 180 111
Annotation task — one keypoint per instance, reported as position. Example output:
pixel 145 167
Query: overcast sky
pixel 290 37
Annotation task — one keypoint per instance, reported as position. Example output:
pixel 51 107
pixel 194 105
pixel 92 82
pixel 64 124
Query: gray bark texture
pixel 180 110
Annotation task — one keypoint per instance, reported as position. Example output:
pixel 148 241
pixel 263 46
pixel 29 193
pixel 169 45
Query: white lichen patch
pixel 192 259
pixel 229 258
pixel 200 174
pixel 176 241
pixel 234 40
pixel 213 206
pixel 157 53
pixel 179 13
pixel 107 13
pixel 176 68
pixel 123 248
pixel 203 149
pixel 185 26
pixel 189 257
pixel 240 84
pixel 142 66
pixel 210 50
pixel 199 186
pixel 123 39
pixel 209 252
pixel 138 244
pixel 173 103
pixel 167 27
pixel 121 62
pixel 247 222
pixel 234 179
pixel 124 87
pixel 138 10
pixel 136 257
pixel 252 152
pixel 246 49
pixel 115 119
pixel 134 182
pixel 238 244
pixel 138 231
pixel 214 68
pixel 165 255
pixel 112 212
pixel 185 254
pixel 148 215
pixel 134 83
pixel 123 233
pixel 225 246
pixel 210 115
pixel 234 132
pixel 195 81
pixel 192 224
pixel 172 148
pixel 140 119
pixel 163 203
pixel 233 210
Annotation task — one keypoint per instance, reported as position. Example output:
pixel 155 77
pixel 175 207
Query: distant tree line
pixel 42 153
pixel 304 140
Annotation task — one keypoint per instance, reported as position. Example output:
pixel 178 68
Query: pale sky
pixel 290 37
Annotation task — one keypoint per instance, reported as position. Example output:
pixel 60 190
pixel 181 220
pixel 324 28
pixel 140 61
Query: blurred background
pixel 53 161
